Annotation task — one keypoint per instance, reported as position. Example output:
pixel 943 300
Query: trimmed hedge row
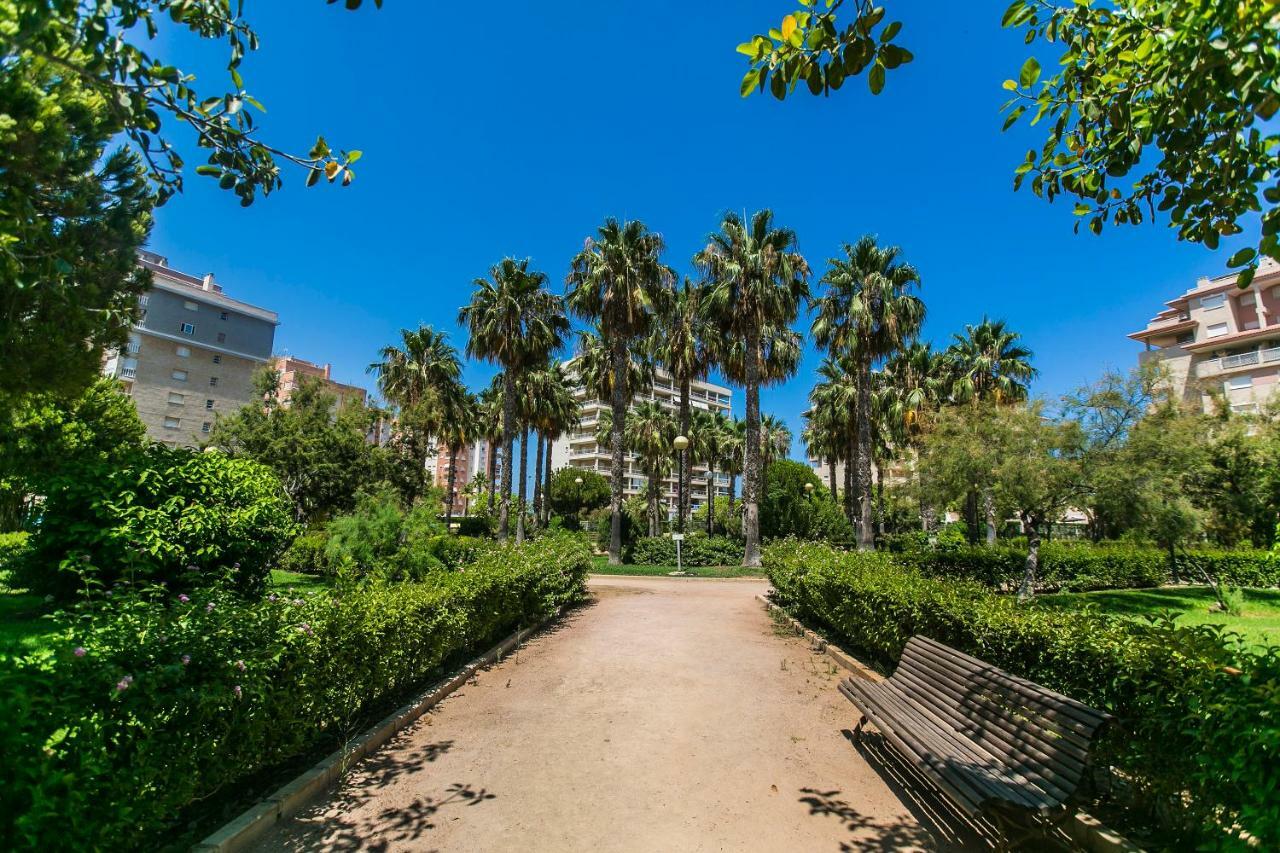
pixel 148 705
pixel 694 551
pixel 1083 567
pixel 1197 738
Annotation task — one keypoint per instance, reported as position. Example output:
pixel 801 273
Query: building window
pixel 1216 330
pixel 204 427
pixel 188 328
pixel 1186 338
pixel 213 380
pixel 172 423
pixel 1246 298
pixel 222 337
pixel 180 375
pixel 177 399
pixel 1209 303
pixel 1239 383
pixel 190 306
pixel 217 359
pixel 208 404
pixel 183 352
pixel 222 316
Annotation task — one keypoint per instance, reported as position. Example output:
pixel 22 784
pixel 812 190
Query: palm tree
pixel 618 279
pixel 834 398
pixel 775 439
pixel 703 444
pixel 756 282
pixel 680 346
pixel 423 379
pixel 733 454
pixel 867 313
pixel 650 434
pixel 460 428
pixel 917 382
pixel 988 363
pixel 489 419
pixel 555 412
pixel 594 369
pixel 514 322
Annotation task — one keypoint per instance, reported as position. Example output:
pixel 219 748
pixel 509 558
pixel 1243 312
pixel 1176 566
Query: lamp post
pixel 577 481
pixel 808 491
pixel 680 444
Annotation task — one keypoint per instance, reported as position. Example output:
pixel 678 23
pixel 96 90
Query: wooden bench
pixel 998 746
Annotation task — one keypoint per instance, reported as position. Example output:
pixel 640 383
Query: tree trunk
pixel 653 505
pixel 866 533
pixel 492 471
pixel 880 500
pixel 686 473
pixel 989 514
pixel 849 511
pixel 971 517
pixel 524 485
pixel 831 467
pixel 711 496
pixel 448 498
pixel 751 474
pixel 1027 589
pixel 508 444
pixel 619 407
pixel 537 483
pixel 546 487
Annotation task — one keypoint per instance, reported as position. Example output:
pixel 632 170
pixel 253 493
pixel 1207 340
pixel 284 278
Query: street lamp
pixel 808 490
pixel 680 443
pixel 577 481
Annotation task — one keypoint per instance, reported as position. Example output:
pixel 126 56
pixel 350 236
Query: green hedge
pixel 1197 738
pixel 148 706
pixel 696 550
pixel 1082 567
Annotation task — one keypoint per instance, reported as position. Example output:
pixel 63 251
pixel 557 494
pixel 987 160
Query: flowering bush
pixel 152 703
pixel 160 515
pixel 1197 737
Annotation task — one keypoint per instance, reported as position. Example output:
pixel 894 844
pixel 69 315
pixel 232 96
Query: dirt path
pixel 667 715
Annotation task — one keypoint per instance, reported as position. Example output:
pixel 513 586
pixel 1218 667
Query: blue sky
pixel 518 133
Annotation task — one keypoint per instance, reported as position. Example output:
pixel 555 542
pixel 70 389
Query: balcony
pixel 1233 362
pixel 128 372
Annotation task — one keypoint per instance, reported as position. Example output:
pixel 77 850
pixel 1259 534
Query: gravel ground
pixel 668 714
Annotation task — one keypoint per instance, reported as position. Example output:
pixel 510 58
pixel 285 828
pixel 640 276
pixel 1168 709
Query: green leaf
pixel 747 48
pixel 1242 257
pixel 750 80
pixel 890 31
pixel 353 156
pixel 312 177
pixel 1030 73
pixel 1011 85
pixel 208 170
pixel 875 79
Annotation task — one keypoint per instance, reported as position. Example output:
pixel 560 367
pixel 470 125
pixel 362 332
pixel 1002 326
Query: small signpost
pixel 678 538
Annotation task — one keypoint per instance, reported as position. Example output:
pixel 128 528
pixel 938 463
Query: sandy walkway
pixel 668 715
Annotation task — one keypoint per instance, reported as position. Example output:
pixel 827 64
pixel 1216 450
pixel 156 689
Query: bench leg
pixel 857 731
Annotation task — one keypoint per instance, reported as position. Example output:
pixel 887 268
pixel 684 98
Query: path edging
pixel 292 796
pixel 1083 829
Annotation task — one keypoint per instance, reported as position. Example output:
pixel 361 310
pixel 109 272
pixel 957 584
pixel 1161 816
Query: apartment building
pixel 291 370
pixel 191 354
pixel 1218 340
pixel 580 450
pixel 468 462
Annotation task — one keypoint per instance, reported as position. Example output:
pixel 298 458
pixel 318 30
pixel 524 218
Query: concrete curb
pixel 1084 829
pixel 291 797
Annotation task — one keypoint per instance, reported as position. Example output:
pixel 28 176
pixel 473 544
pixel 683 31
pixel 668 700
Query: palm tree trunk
pixel 751 476
pixel 850 511
pixel 989 514
pixel 546 487
pixel 831 467
pixel 508 444
pixel 880 500
pixel 492 472
pixel 733 491
pixel 653 504
pixel 524 485
pixel 618 404
pixel 448 498
pixel 686 472
pixel 866 534
pixel 537 482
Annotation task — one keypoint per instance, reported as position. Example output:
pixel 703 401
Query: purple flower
pixel 186 659
pixel 240 665
pixel 239 693
pixel 78 651
pixel 272 597
pixel 208 608
pixel 305 628
pixel 184 598
pixel 123 684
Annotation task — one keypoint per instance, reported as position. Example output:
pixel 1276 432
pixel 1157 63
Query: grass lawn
pixel 297 581
pixel 602 567
pixel 1260 622
pixel 21 628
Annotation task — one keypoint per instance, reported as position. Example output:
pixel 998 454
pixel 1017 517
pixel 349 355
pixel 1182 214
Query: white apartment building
pixel 580 450
pixel 1219 339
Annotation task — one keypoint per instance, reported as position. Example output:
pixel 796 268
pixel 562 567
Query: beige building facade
pixel 580 450
pixel 1218 341
pixel 291 371
pixel 191 355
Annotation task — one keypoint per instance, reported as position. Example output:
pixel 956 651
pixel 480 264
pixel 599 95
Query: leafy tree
pixel 321 456
pixel 788 509
pixel 867 313
pixel 514 322
pixel 756 282
pixel 45 437
pixel 574 502
pixel 618 280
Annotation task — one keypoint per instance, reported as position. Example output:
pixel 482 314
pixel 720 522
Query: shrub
pixel 174 701
pixel 1196 737
pixel 379 536
pixel 728 520
pixel 163 516
pixel 13 546
pixel 696 550
pixel 307 554
pixel 572 501
pixel 474 525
